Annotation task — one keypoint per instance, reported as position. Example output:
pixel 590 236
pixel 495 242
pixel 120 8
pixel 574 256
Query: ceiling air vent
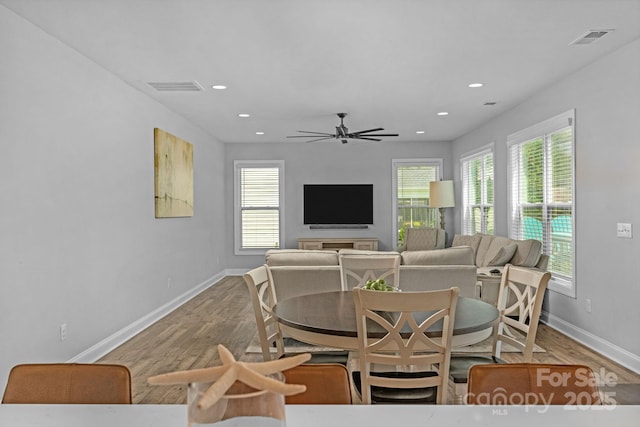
pixel 590 37
pixel 176 86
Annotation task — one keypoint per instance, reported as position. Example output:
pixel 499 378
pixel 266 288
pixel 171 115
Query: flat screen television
pixel 338 204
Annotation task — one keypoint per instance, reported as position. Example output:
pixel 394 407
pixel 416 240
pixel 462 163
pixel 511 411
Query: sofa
pixel 298 271
pixel 492 253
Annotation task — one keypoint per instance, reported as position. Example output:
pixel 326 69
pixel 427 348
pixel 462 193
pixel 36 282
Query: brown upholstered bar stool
pixel 68 383
pixel 327 384
pixel 532 384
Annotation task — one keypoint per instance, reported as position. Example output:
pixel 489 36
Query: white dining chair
pixel 410 368
pixel 262 299
pixel 259 283
pixel 516 325
pixel 356 270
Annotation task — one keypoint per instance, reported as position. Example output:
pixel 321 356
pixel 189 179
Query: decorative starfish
pixel 252 374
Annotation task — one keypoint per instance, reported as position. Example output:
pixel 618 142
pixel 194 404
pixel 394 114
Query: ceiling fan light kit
pixel 343 134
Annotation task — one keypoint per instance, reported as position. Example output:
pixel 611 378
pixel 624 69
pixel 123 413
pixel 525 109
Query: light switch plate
pixel 624 230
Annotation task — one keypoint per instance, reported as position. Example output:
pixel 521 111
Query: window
pixel 477 192
pixel 542 188
pixel 411 194
pixel 258 206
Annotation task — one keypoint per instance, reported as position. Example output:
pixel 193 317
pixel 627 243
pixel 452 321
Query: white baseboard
pixel 236 271
pixel 95 352
pixel 602 346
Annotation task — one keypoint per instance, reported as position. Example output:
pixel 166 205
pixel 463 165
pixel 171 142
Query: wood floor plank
pixel 222 314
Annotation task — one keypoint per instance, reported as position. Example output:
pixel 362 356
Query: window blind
pixel 477 193
pixel 412 194
pixel 259 202
pixel 542 194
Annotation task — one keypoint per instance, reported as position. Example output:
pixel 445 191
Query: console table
pixel 367 243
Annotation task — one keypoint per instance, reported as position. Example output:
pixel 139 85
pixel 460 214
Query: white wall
pixel 79 243
pixel 331 162
pixel 606 97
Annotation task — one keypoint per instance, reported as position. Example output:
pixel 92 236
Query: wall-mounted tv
pixel 338 204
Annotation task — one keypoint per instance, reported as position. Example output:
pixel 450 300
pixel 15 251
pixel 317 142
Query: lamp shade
pixel 441 194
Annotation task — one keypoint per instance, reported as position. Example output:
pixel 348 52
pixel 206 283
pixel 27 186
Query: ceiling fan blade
pixel 309 136
pixel 368 130
pixel 367 138
pixel 383 134
pixel 320 139
pixel 317 133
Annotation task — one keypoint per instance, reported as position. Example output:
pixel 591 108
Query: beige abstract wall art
pixel 173 175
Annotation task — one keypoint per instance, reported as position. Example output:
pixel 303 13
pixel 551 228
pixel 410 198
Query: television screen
pixel 327 204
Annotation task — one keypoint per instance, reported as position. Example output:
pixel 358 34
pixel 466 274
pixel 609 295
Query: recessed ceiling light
pixel 476 84
pixel 218 87
pixel 259 133
pixel 443 113
pixel 419 131
pixel 244 115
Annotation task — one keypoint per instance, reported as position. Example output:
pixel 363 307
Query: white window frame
pixel 238 165
pixel 465 160
pixel 562 285
pixel 399 163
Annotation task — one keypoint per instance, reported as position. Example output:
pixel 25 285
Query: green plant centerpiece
pixel 378 285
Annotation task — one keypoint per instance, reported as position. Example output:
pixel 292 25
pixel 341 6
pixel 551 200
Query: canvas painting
pixel 173 175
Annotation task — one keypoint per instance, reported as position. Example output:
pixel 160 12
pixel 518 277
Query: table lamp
pixel 441 196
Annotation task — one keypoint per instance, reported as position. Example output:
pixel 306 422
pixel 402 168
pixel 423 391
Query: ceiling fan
pixel 343 134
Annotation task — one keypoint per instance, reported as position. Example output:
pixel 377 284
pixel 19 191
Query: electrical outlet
pixel 168 282
pixel 587 305
pixel 624 230
pixel 63 332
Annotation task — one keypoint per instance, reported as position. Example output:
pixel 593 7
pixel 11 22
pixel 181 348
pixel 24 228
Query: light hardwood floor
pixel 222 314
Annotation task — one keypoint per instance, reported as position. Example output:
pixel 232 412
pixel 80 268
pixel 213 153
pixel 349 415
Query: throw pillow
pixel 504 255
pixel 528 253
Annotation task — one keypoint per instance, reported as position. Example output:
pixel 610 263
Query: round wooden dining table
pixel 328 319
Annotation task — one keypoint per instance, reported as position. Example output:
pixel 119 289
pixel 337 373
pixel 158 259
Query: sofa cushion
pixel 292 281
pixel 528 253
pixel 365 252
pixel 275 257
pixel 434 277
pixel 504 255
pixel 465 240
pixel 483 247
pixel 461 255
pixel 418 239
pixel 497 242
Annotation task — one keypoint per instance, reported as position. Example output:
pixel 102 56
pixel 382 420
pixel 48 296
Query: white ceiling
pixel 294 64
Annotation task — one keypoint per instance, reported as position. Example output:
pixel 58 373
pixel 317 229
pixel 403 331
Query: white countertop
pixel 326 415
